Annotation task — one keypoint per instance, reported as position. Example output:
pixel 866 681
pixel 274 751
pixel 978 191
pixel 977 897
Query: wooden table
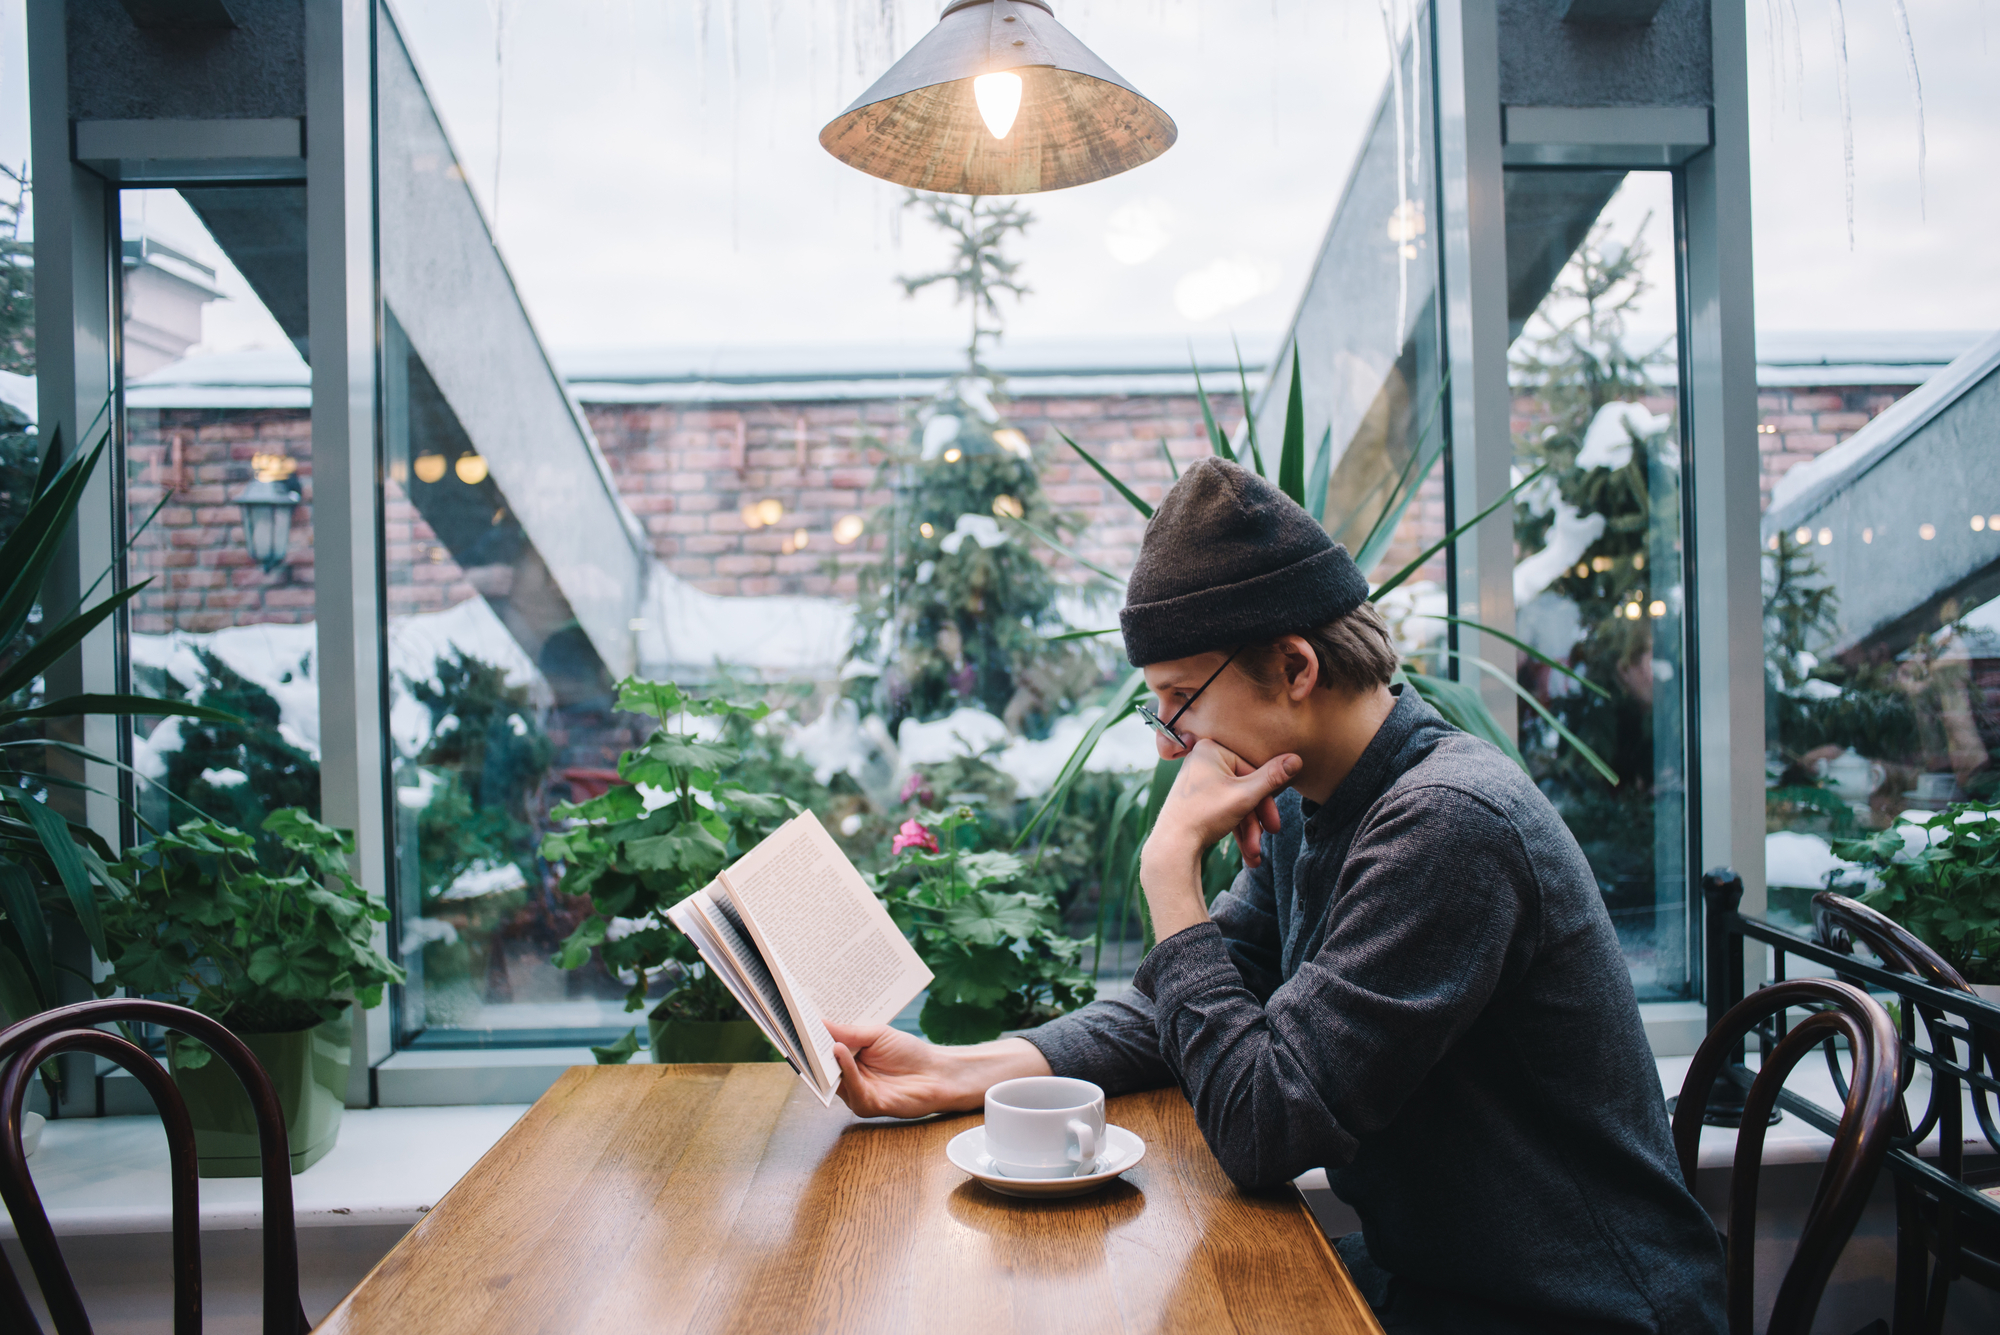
pixel 724 1198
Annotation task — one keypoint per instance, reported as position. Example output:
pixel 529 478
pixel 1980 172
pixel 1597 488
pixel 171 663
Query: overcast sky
pixel 650 188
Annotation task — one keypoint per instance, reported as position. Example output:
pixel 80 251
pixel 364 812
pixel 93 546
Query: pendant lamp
pixel 998 99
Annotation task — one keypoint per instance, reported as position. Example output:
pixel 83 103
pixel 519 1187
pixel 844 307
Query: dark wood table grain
pixel 724 1198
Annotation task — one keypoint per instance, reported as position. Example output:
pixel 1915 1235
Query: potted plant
pixel 998 956
pixel 277 953
pixel 1940 877
pixel 660 834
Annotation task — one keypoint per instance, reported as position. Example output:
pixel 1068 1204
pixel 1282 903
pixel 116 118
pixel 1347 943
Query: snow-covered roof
pixel 1120 364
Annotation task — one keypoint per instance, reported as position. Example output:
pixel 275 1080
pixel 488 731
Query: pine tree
pixel 958 611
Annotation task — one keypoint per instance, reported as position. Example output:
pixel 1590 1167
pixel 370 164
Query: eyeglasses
pixel 1166 727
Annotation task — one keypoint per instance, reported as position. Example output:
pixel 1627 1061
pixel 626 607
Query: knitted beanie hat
pixel 1228 559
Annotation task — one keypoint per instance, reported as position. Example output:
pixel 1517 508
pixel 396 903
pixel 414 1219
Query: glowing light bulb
pixel 999 99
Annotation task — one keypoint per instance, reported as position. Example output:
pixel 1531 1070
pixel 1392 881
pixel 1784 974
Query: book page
pixel 807 906
pixel 801 1019
pixel 685 916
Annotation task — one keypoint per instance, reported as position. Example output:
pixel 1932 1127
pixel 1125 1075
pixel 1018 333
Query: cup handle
pixel 1086 1146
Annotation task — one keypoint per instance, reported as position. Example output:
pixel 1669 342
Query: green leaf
pixel 1424 455
pixel 1061 550
pixel 1168 455
pixel 617 1054
pixel 979 974
pixel 60 638
pixel 141 706
pixel 188 1054
pixel 63 852
pixel 24 913
pixel 1528 649
pixel 1131 496
pixel 957 1022
pixel 1216 440
pixel 1121 700
pixel 575 951
pixel 690 848
pixel 18 997
pixel 31 548
pixel 1079 635
pixel 1591 757
pixel 1321 478
pixel 1451 537
pixel 1292 452
pixel 981 869
pixel 1460 706
pixel 1249 416
pixel 989 917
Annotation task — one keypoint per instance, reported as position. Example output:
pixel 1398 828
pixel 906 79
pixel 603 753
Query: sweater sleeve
pixel 1247 914
pixel 1436 893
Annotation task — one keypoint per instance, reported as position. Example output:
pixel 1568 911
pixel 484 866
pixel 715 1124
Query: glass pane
pixel 1881 635
pixel 1598 588
pixel 1369 348
pixel 218 499
pixel 499 701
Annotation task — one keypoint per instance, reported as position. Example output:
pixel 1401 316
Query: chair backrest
pixel 1836 917
pixel 23 1049
pixel 1859 1145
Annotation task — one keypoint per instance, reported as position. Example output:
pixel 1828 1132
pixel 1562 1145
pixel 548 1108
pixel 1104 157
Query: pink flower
pixel 917 786
pixel 913 835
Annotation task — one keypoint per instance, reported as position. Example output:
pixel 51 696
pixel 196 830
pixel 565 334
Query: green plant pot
pixel 708 1041
pixel 308 1069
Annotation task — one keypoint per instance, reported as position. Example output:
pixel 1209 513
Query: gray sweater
pixel 1420 991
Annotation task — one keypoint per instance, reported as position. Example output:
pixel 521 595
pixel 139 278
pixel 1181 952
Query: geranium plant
pixel 1945 888
pixel 656 838
pixel 200 917
pixel 1000 959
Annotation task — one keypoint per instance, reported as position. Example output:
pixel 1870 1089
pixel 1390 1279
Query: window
pixel 217 483
pixel 1598 590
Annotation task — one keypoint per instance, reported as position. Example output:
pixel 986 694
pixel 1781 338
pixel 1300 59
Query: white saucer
pixel 967 1152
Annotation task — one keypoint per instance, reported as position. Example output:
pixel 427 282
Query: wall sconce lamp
pixel 267 506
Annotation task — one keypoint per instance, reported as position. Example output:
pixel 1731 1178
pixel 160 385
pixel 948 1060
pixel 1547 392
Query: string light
pixel 1826 537
pixel 1927 531
pixel 847 528
pixel 1868 535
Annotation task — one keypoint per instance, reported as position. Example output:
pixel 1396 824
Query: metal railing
pixel 1961 1054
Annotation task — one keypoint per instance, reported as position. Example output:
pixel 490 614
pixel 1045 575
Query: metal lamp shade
pixel 919 125
pixel 267 521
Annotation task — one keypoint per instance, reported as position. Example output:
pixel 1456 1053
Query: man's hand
pixel 1216 793
pixel 887 1073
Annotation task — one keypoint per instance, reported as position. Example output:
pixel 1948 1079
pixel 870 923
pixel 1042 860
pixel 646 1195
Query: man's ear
pixel 1301 667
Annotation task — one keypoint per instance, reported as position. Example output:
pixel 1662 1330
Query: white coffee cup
pixel 1044 1126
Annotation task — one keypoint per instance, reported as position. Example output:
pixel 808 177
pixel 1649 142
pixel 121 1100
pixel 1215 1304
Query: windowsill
pixel 109 1174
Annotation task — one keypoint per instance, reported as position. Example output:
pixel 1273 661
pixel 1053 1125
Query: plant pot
pixel 308 1069
pixel 708 1041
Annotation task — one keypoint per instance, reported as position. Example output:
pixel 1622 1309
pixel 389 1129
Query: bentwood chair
pixel 1932 1220
pixel 24 1047
pixel 1859 1145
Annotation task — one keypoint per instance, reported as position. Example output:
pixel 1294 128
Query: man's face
pixel 1232 712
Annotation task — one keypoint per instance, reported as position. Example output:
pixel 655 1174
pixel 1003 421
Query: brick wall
pixel 195 460
pixel 1795 425
pixel 688 472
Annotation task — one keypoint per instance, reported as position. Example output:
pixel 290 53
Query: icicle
pixel 701 64
pixel 1846 113
pixel 1798 60
pixel 1916 95
pixel 499 99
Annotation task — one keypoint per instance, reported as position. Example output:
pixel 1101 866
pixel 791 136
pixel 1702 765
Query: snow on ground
pixel 284 661
pixel 781 635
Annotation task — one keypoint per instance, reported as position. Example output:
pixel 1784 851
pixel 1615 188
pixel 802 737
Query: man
pixel 1412 983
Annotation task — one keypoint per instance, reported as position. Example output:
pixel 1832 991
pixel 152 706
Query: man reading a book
pixel 1413 982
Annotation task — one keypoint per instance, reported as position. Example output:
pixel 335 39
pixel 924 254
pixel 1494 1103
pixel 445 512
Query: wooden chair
pixel 24 1047
pixel 1931 1224
pixel 1863 1137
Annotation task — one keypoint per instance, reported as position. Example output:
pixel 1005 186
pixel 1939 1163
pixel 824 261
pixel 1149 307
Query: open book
pixel 799 939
